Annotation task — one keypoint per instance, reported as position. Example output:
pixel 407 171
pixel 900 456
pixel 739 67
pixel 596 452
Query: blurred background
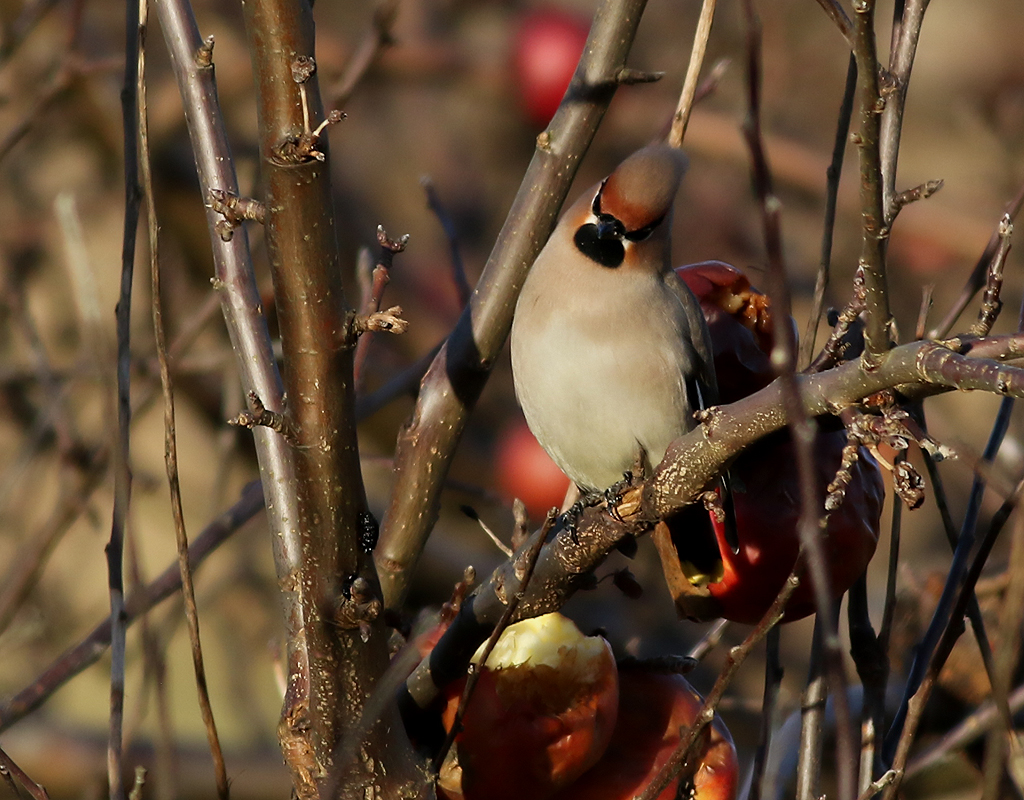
pixel 449 100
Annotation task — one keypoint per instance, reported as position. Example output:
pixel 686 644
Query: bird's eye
pixel 645 232
pixel 606 252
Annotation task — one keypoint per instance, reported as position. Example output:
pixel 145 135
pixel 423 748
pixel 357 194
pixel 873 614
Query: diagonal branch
pixel 93 646
pixel 686 99
pixel 457 376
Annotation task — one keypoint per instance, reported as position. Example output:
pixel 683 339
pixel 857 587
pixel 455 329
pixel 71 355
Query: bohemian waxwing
pixel 610 350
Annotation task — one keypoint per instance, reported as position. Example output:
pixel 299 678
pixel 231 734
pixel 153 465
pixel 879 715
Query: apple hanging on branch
pixel 709 580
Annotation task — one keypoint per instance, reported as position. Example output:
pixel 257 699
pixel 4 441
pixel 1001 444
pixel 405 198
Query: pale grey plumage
pixel 610 357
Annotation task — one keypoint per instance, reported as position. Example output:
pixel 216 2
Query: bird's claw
pixel 613 494
pixel 569 517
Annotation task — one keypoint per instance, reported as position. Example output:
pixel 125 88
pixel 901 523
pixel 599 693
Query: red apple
pixel 655 708
pixel 767 502
pixel 547 46
pixel 525 471
pixel 541 715
pixel 766 490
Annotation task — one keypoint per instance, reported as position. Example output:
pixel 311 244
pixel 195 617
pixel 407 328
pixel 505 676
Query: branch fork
pixel 371 318
pixel 235 211
pixel 303 148
pixel 261 416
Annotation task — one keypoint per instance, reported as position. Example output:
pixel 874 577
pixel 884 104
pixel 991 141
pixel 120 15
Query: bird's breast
pixel 601 378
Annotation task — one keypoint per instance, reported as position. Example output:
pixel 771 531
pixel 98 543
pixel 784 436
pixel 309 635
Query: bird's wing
pixel 707 389
pixel 702 389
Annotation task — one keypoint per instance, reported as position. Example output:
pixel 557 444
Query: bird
pixel 611 354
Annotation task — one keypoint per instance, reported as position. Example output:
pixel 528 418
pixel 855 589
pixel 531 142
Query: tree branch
pixel 457 376
pixel 875 230
pixel 89 650
pixel 325 695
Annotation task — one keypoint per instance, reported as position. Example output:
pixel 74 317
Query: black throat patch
pixel 607 252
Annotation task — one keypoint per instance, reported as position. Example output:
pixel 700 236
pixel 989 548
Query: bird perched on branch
pixel 610 350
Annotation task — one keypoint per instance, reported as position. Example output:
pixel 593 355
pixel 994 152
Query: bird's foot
pixel 571 515
pixel 613 494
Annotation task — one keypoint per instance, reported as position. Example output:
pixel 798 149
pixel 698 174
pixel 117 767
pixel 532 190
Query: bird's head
pixel 630 213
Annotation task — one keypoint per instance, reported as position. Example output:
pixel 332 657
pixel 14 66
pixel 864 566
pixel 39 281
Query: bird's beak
pixel 609 229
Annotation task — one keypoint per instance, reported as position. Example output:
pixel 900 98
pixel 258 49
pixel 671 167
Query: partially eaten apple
pixel 540 716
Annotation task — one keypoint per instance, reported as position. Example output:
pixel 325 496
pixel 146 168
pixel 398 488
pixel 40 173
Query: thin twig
pixel 709 641
pixel 990 302
pixel 140 781
pixel 27 564
pixel 687 747
pixel 772 683
pixel 377 39
pixel 922 314
pixel 876 786
pixel 906 33
pixel 872 663
pixel 122 469
pixel 832 175
pixel 952 536
pixel 170 435
pixel 875 230
pixel 1006 660
pixel 8 767
pixel 977 277
pixel 17 31
pixel 812 719
pixel 462 288
pixel 49 95
pixel 407 382
pixel 889 606
pixel 833 350
pixel 710 83
pixel 839 16
pixel 154 678
pixel 363 325
pixel 681 118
